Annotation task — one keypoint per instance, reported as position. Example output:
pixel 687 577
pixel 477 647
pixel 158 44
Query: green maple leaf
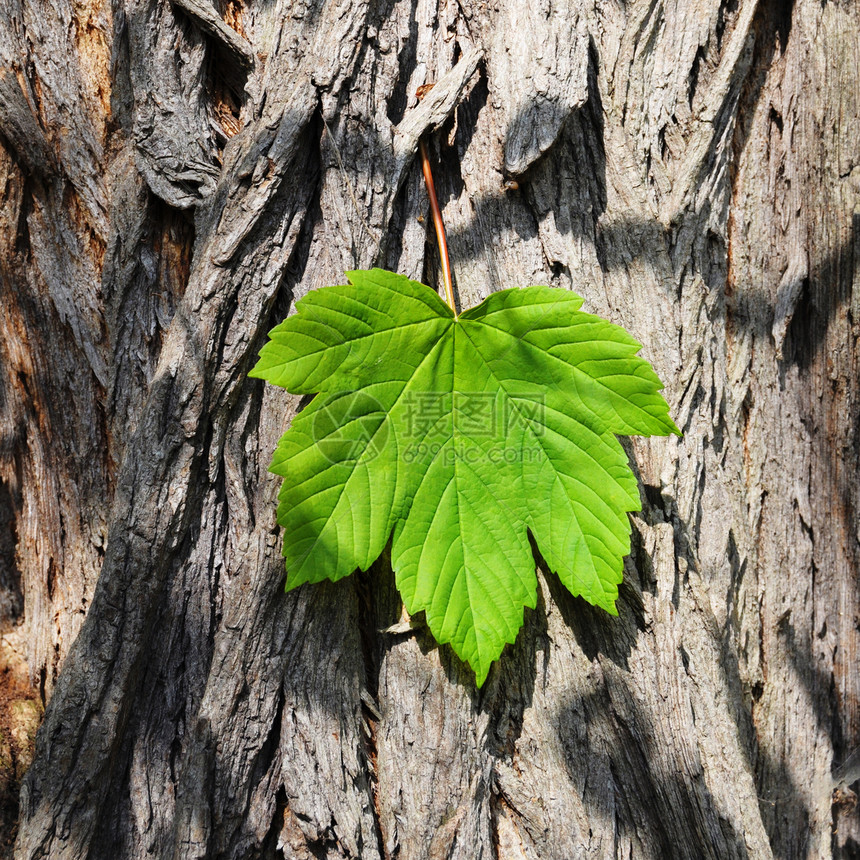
pixel 459 435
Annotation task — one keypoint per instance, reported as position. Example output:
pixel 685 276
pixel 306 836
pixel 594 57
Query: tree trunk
pixel 174 174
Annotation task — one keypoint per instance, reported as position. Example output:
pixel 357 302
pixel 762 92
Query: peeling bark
pixel 175 174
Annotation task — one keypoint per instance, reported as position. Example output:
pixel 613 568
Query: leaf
pixel 459 436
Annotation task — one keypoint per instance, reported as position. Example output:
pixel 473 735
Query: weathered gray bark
pixel 173 175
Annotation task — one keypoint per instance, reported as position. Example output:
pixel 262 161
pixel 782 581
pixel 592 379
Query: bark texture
pixel 174 174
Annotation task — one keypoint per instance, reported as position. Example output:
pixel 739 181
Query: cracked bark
pixel 174 174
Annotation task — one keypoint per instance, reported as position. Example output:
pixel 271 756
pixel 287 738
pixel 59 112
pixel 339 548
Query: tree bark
pixel 174 174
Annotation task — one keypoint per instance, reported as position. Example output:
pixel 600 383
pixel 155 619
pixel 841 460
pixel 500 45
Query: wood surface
pixel 174 174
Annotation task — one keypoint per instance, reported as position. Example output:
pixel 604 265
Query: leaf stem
pixel 439 225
